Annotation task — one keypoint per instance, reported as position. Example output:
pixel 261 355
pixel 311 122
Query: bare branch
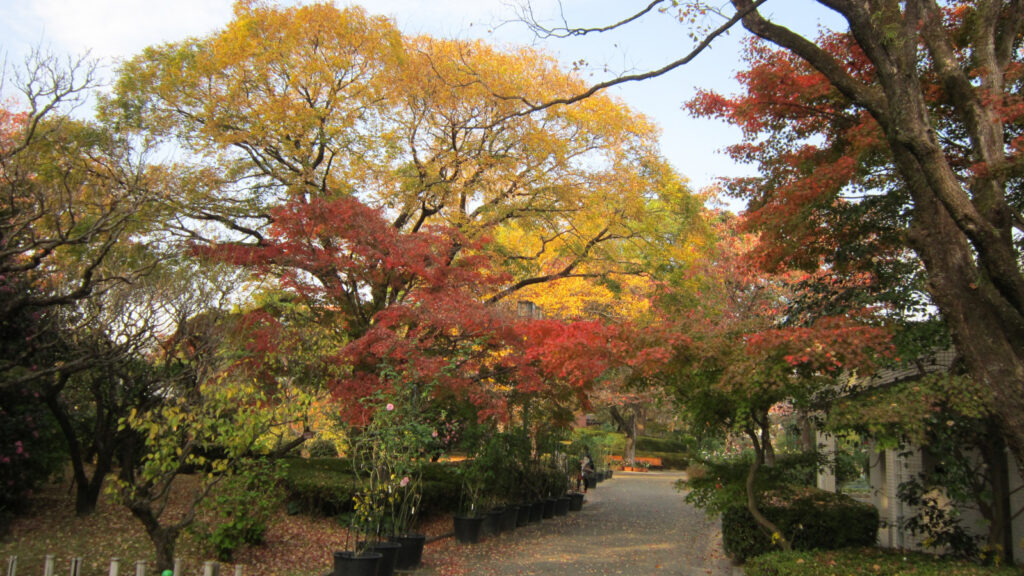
pixel 532 107
pixel 524 11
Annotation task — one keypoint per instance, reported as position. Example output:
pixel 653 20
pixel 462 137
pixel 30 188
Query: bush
pixel 31 449
pixel 325 487
pixel 652 444
pixel 239 510
pixel 811 521
pixel 863 561
pixel 715 485
pixel 323 448
pixel 319 487
pixel 670 460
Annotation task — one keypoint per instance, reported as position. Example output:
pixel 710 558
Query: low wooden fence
pixel 116 568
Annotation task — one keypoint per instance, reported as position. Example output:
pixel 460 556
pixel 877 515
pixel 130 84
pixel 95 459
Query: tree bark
pixel 629 427
pixel 163 537
pixel 87 489
pixel 762 521
pixel 1000 533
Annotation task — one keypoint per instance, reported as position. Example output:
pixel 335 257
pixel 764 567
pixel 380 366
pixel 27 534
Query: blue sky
pixel 114 29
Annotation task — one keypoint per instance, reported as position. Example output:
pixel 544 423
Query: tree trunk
pixel 1000 532
pixel 629 427
pixel 762 521
pixel 766 444
pixel 962 228
pixel 808 441
pixel 163 538
pixel 87 489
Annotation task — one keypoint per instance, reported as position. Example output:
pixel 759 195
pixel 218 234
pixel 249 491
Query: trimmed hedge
pixel 864 562
pixel 813 520
pixel 319 486
pixel 653 444
pixel 325 487
pixel 670 460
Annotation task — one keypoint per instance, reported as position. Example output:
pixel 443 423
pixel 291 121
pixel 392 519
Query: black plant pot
pixel 523 515
pixel 389 556
pixel 549 508
pixel 576 501
pixel 537 511
pixel 468 528
pixel 492 525
pixel 508 518
pixel 562 505
pixel 411 551
pixel 346 563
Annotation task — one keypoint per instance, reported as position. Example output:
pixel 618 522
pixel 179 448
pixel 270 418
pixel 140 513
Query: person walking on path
pixel 638 523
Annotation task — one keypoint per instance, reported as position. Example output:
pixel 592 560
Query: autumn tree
pixel 340 104
pixel 217 407
pixel 72 190
pixel 78 207
pixel 935 85
pixel 387 187
pixel 750 347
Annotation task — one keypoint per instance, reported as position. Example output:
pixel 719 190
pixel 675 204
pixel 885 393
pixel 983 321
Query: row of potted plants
pixel 508 478
pixel 507 485
pixel 472 529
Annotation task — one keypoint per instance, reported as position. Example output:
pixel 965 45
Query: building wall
pixel 889 468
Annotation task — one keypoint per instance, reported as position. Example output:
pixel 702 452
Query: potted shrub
pixel 469 521
pixel 389 452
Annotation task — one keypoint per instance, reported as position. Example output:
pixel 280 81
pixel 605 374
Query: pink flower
pixel 434 433
pixel 404 482
pixel 390 407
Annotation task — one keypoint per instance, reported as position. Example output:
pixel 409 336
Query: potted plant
pixel 469 521
pixel 388 452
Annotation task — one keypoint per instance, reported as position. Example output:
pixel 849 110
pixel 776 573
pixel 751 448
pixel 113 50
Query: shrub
pixel 670 460
pixel 238 513
pixel 863 561
pixel 652 444
pixel 322 487
pixel 717 484
pixel 323 448
pixel 31 449
pixel 812 520
pixel 325 487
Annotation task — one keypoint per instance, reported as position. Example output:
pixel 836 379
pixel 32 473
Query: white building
pixel 890 468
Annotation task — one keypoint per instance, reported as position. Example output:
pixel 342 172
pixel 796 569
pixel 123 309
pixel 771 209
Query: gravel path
pixel 635 523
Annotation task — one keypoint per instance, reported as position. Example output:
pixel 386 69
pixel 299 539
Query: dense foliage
pixel 812 520
pixel 864 562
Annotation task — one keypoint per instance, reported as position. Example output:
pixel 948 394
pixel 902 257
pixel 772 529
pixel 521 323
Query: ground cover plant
pixel 864 562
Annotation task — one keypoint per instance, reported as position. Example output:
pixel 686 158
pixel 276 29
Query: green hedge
pixel 863 562
pixel 813 520
pixel 319 486
pixel 670 460
pixel 652 444
pixel 325 487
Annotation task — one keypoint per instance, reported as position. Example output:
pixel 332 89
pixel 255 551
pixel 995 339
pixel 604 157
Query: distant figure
pixel 586 471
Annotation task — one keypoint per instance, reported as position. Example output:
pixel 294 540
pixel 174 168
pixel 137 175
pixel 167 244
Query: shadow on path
pixel 635 523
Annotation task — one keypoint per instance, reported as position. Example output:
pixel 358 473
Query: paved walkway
pixel 635 523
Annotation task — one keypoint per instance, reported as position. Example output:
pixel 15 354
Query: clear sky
pixel 113 29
